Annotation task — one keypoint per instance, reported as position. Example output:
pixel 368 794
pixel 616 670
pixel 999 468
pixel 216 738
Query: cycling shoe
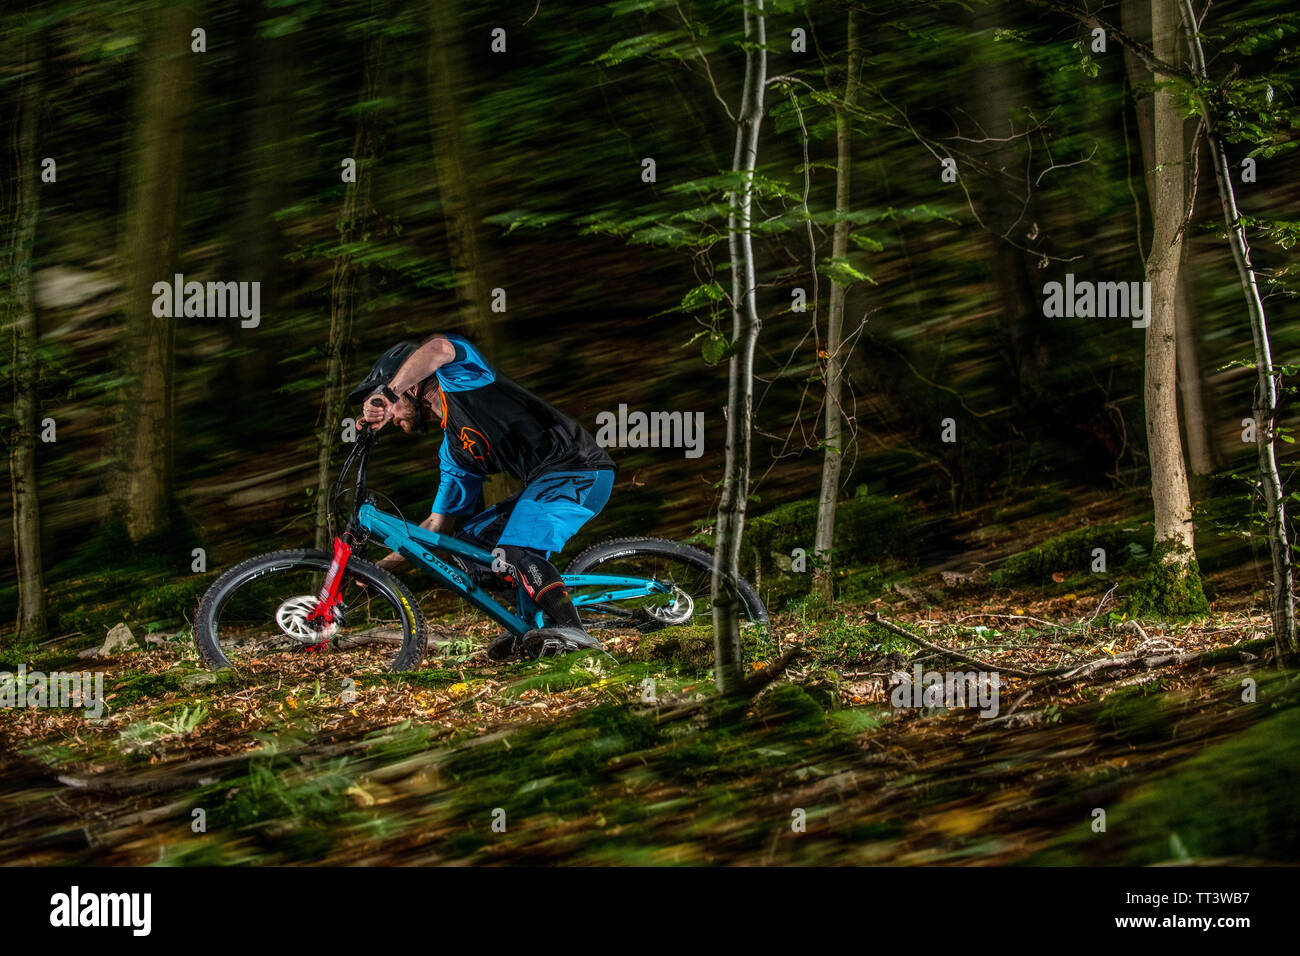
pixel 552 641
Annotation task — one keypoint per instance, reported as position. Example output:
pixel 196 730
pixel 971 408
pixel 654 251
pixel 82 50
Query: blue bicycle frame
pixel 420 546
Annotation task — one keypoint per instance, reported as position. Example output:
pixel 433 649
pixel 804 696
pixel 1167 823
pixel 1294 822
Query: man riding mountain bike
pixel 491 425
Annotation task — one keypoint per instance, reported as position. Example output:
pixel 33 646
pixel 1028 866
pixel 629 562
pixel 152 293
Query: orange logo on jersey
pixel 472 441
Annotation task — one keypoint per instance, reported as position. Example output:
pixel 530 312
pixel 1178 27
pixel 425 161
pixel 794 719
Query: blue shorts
pixel 546 514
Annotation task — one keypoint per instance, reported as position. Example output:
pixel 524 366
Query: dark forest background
pixel 522 171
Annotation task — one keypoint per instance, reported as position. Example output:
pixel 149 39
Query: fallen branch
pixel 1137 658
pixel 378 635
pixel 949 651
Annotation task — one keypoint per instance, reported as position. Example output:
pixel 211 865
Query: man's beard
pixel 423 412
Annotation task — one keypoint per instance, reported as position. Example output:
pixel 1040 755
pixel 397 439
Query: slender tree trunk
pixel 740 368
pixel 143 491
pixel 1202 454
pixel 833 460
pixel 256 251
pixel 1173 514
pixel 22 457
pixel 353 218
pixel 1284 627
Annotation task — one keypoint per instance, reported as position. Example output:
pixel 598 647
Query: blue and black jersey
pixel 493 425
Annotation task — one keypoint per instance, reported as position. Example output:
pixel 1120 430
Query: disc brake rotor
pixel 291 617
pixel 678 611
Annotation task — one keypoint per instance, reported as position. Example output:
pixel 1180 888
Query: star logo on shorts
pixel 566 489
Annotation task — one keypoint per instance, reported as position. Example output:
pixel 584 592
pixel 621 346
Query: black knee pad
pixel 531 569
pixel 543 584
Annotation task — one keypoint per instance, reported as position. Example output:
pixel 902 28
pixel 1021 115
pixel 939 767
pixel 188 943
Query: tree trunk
pixel 447 73
pixel 740 367
pixel 22 457
pixel 268 87
pixel 1202 453
pixel 1284 628
pixel 453 160
pixel 992 84
pixel 352 223
pixel 833 461
pixel 1173 518
pixel 143 490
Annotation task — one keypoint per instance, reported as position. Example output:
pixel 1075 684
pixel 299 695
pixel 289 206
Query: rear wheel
pixel 261 607
pixel 687 571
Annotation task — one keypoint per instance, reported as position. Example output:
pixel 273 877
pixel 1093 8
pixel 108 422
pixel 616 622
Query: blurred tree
pixel 833 460
pixel 453 158
pixel 353 228
pixel 265 181
pixel 997 81
pixel 26 334
pixel 150 253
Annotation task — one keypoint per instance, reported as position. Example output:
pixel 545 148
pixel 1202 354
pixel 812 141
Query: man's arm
pixel 442 524
pixel 458 491
pixel 423 362
pixel 436 352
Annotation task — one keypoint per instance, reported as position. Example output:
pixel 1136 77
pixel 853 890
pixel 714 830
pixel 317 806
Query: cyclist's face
pixel 404 415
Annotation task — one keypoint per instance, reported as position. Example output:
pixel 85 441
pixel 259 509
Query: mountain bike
pixel 310 600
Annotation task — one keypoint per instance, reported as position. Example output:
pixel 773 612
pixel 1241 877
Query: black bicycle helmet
pixel 382 373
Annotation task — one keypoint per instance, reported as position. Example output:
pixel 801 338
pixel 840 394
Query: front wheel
pixel 686 570
pixel 261 607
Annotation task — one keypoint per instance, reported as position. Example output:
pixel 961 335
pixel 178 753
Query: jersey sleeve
pixel 458 489
pixel 468 370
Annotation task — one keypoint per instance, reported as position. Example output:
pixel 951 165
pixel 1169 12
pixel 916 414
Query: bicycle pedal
pixel 502 648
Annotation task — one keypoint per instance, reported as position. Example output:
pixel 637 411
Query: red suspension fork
pixel 328 598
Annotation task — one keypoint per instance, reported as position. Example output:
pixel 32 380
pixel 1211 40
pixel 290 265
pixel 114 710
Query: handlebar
pixel 366 439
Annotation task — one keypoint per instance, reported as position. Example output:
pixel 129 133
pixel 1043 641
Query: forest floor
pixel 1183 758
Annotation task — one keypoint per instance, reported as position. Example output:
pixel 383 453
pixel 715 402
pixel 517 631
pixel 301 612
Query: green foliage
pixel 1137 715
pixel 182 721
pixel 131 686
pixel 862 585
pixel 792 707
pixel 869 530
pixel 836 639
pixel 1232 800
pixel 304 809
pixel 1171 590
pixel 546 769
pixel 689 650
pixel 173 603
pixel 1073 551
